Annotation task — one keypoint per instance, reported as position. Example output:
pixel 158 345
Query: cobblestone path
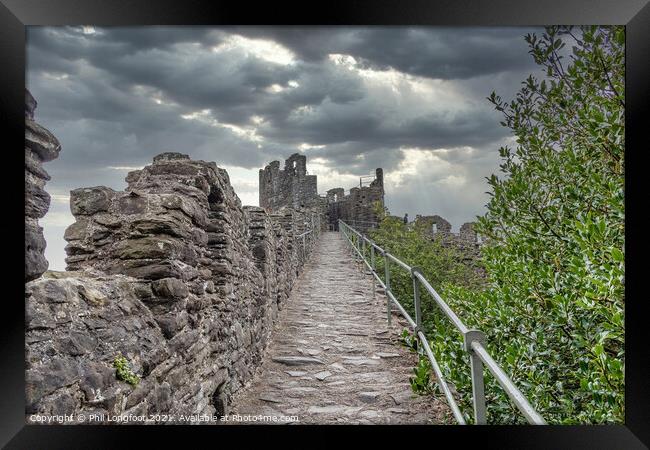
pixel 332 358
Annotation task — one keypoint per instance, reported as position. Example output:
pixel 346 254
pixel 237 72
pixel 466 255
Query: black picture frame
pixel 15 15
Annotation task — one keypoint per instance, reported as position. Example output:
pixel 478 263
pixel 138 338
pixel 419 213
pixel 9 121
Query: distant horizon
pixel 411 100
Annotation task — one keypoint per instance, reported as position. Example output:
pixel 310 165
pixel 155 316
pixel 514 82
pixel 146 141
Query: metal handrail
pixel 474 340
pixel 364 221
pixel 315 225
pixel 303 234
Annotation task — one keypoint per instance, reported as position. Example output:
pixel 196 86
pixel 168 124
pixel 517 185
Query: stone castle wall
pixel 466 241
pixel 172 274
pixel 359 207
pixel 289 187
pixel 292 187
pixel 40 146
pixel 439 228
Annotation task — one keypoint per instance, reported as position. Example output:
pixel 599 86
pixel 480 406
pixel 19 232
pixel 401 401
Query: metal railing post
pixel 374 271
pixel 416 299
pixel 387 283
pixel 478 384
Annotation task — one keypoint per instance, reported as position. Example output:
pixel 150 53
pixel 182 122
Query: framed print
pixel 420 218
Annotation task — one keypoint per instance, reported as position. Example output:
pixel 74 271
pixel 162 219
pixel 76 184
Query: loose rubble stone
pixel 369 397
pixel 402 397
pixel 270 398
pixel 322 375
pixel 387 355
pixel 296 360
pixel 295 373
pixel 41 141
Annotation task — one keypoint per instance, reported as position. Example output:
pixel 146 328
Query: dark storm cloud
pixel 115 97
pixel 439 52
pixel 74 42
pixel 375 129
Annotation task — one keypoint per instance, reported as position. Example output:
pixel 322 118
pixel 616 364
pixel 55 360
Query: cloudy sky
pixel 409 100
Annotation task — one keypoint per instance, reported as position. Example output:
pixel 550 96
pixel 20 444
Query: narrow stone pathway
pixel 332 358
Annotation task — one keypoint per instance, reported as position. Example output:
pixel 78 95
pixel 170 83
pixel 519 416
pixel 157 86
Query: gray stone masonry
pixel 172 274
pixel 292 187
pixel 40 146
pixel 359 207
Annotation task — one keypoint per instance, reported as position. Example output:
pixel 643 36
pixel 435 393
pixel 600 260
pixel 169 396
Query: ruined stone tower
pixel 290 187
pixel 358 208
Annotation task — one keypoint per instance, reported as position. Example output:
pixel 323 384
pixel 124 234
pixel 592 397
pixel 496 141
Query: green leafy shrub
pixel 123 371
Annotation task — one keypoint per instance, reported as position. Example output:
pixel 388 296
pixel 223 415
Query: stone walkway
pixel 332 358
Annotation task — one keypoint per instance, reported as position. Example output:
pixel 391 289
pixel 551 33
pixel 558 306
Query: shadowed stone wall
pixel 40 146
pixel 172 274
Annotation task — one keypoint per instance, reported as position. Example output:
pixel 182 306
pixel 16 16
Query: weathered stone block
pixel 35 262
pixel 77 230
pixel 153 247
pixel 52 375
pixel 33 164
pixel 78 343
pixel 96 377
pixel 133 176
pixel 170 156
pixel 89 201
pixel 30 105
pixel 132 204
pixel 37 201
pixel 75 248
pixel 161 225
pixel 186 205
pixel 106 219
pixel 165 168
pixel 170 288
pixel 41 141
pixel 172 323
pixel 147 269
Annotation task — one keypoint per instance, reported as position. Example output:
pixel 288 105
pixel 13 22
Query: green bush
pixel 552 306
pixel 123 371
